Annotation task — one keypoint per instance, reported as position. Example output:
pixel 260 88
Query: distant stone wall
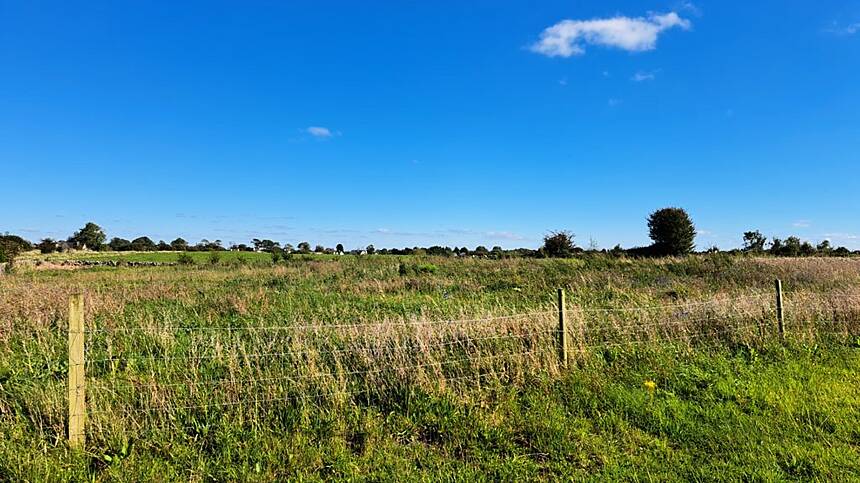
pixel 113 263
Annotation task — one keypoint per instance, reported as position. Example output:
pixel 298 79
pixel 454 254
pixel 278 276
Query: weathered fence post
pixel 562 329
pixel 779 314
pixel 77 383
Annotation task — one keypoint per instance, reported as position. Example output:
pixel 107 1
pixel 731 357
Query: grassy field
pixel 160 257
pixel 427 368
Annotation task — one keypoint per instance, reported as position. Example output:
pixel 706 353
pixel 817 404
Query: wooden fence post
pixel 77 383
pixel 779 313
pixel 562 329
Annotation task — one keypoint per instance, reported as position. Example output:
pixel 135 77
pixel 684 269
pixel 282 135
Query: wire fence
pixel 182 375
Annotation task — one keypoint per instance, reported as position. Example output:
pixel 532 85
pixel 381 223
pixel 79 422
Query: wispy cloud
pixel 801 224
pixel 643 76
pixel 613 102
pixel 690 8
pixel 849 29
pixel 568 37
pixel 841 236
pixel 442 235
pixel 319 132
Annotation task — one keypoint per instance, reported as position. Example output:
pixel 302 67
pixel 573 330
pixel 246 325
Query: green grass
pixel 161 257
pixel 774 414
pixel 738 405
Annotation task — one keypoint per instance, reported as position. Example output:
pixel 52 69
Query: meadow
pixel 413 368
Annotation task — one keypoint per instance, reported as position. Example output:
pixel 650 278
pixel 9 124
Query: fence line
pixel 318 327
pixel 319 375
pixel 304 352
pixel 586 328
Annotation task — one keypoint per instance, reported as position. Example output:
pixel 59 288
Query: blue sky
pixel 457 123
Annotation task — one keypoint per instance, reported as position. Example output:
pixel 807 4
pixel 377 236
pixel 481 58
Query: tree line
pixel 671 230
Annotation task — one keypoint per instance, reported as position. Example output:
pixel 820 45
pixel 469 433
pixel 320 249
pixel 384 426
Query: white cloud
pixel 567 38
pixel 319 132
pixel 642 76
pixel 801 224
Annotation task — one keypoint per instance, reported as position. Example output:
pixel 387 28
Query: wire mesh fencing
pixel 184 375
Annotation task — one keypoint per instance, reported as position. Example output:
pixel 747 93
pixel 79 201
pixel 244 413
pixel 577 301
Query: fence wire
pixel 177 370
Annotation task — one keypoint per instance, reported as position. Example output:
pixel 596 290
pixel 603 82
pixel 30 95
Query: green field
pixel 162 257
pixel 414 368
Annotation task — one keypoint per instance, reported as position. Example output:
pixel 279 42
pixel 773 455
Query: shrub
pixel 48 245
pixel 416 269
pixel 214 258
pixel 11 246
pixel 672 231
pixel 185 259
pixel 558 244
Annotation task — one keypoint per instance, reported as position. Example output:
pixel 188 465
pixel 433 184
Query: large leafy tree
pixel 672 231
pixel 90 236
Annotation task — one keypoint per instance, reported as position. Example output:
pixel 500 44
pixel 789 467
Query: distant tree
pixel 339 248
pixel 304 247
pixel 558 244
pixel 497 252
pixel 163 246
pixel 824 248
pixel 791 247
pixel 841 252
pixel 319 249
pixel 754 241
pixel 265 245
pixel 208 246
pixel 47 245
pixel 481 251
pixel 143 244
pixel 776 247
pixel 289 248
pixel 672 231
pixel 119 244
pixel 179 245
pixel 806 249
pixel 90 236
pixel 617 251
pixel 439 251
pixel 370 249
